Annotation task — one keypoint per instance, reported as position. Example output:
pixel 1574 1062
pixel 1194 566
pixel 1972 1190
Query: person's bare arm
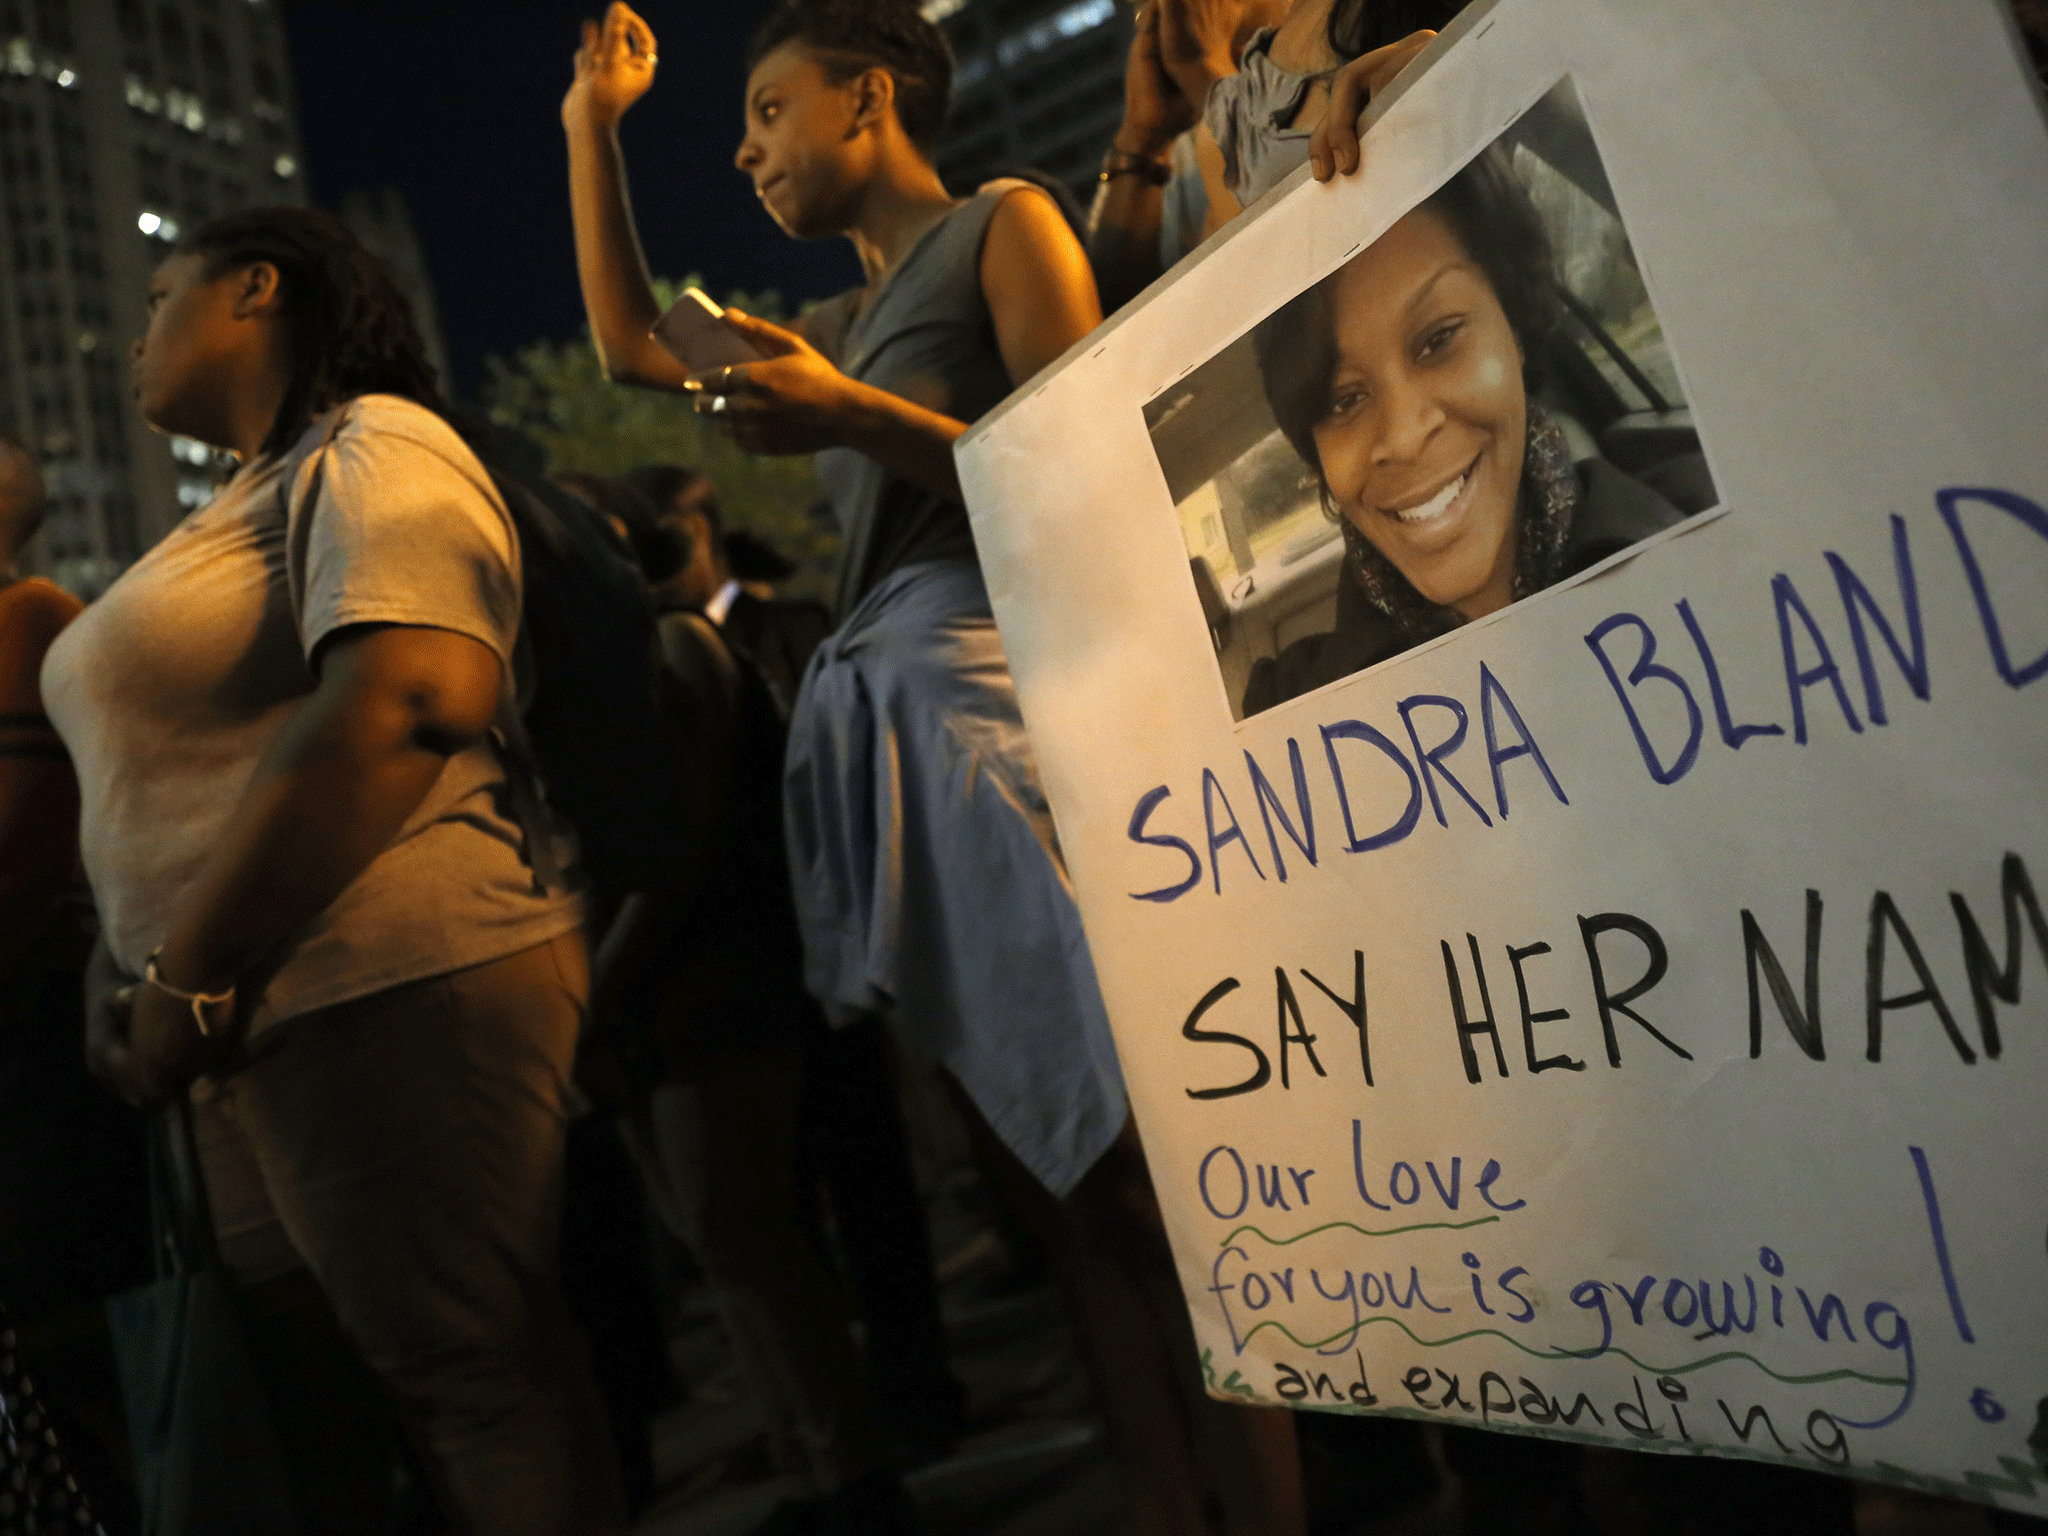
pixel 1223 206
pixel 1036 279
pixel 614 68
pixel 1197 44
pixel 335 785
pixel 1125 219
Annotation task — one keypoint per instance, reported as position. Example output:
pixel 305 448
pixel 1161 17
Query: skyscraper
pixel 122 123
pixel 1037 83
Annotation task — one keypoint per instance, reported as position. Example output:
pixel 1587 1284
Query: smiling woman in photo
pixel 1406 380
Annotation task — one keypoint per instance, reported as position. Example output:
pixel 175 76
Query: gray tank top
pixel 1245 113
pixel 927 337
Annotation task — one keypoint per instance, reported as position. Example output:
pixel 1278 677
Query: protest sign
pixel 1623 1016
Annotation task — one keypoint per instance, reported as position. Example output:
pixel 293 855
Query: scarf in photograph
pixel 1544 508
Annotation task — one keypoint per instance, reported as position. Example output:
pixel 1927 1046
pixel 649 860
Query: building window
pixel 177 47
pixel 153 177
pixel 53 23
pixel 197 188
pixel 213 60
pixel 135 52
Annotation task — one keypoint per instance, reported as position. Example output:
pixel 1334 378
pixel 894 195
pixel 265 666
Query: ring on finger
pixel 718 404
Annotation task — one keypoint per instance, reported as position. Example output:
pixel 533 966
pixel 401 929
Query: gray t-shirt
pixel 169 689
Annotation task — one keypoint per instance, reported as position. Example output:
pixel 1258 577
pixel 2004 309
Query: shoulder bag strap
pixel 180 1212
pixel 514 744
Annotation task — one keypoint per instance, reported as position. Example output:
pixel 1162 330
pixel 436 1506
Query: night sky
pixel 457 104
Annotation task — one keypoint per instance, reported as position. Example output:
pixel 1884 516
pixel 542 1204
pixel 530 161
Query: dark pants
pixel 853 1144
pixel 406 1149
pixel 74 1214
pixel 718 1146
pixel 1190 1462
pixel 74 1225
pixel 608 1278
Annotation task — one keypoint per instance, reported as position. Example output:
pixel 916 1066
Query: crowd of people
pixel 434 813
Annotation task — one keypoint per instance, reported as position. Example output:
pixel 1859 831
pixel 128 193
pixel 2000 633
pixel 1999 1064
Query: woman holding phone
pixel 928 877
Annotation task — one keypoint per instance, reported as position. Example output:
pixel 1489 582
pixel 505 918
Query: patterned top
pixel 39 1496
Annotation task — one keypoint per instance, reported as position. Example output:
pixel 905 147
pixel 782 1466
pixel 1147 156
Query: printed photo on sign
pixel 1473 408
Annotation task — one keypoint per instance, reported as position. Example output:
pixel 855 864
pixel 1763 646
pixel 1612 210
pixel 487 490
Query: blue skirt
pixel 928 876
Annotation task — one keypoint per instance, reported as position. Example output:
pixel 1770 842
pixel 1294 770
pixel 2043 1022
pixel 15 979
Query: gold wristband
pixel 198 1001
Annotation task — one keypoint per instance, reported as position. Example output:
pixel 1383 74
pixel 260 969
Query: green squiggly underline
pixel 1420 1226
pixel 1566 1354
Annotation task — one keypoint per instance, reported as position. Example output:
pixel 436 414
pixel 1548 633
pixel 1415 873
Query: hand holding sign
pixel 1573 921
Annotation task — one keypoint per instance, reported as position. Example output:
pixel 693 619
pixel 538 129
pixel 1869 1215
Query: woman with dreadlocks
pixel 293 819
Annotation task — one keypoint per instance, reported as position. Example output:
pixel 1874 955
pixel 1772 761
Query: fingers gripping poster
pixel 1539 654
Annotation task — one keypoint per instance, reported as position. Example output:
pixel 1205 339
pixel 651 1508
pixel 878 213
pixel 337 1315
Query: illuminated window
pixel 1057 28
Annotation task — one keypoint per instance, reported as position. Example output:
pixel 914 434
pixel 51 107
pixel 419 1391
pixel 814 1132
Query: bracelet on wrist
pixel 1154 170
pixel 199 1002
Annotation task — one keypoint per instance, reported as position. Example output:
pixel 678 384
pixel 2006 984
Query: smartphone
pixel 700 340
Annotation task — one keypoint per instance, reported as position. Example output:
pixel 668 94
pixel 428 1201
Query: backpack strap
pixel 510 738
pixel 522 783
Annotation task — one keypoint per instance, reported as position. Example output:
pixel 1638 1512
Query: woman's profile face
pixel 1422 447
pixel 801 148
pixel 183 365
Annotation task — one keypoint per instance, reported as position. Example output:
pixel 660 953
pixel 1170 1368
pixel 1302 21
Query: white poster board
pixel 1623 1017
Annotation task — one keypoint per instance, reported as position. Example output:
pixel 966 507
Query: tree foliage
pixel 557 395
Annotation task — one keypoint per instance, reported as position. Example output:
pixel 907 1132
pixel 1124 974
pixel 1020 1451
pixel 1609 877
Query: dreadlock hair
pixel 1356 27
pixel 349 330
pixel 848 36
